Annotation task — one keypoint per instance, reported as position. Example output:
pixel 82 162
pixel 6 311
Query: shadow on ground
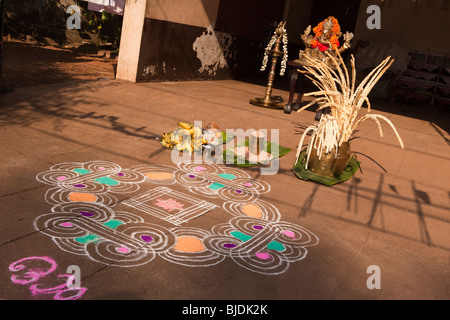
pixel 26 64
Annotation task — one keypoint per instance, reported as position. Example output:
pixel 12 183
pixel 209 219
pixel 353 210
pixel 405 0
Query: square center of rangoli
pixel 169 205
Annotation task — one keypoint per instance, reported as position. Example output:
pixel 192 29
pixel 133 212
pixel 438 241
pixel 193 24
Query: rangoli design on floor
pixel 129 217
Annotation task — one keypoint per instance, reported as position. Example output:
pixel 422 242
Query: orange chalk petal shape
pixel 189 244
pixel 159 175
pixel 80 196
pixel 252 210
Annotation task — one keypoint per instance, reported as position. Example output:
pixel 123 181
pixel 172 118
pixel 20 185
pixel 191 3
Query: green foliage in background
pixel 105 26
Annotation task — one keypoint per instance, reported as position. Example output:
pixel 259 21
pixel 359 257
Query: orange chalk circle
pixel 79 196
pixel 189 244
pixel 159 175
pixel 252 210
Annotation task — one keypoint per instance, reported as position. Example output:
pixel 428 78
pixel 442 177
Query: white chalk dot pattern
pixel 99 228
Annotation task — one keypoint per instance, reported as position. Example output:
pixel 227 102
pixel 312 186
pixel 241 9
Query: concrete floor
pixel 393 214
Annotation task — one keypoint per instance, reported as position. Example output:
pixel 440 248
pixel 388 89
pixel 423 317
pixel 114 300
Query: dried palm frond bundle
pixel 338 91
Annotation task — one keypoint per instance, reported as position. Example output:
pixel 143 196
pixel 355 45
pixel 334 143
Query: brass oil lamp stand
pixel 276 53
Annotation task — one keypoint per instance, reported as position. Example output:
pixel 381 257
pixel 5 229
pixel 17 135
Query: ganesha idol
pixel 325 39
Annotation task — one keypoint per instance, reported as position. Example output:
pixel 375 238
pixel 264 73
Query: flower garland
pixel 266 55
pixel 285 53
pixel 269 47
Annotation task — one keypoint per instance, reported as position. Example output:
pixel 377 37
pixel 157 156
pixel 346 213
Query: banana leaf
pixel 276 150
pixel 305 174
pixel 226 137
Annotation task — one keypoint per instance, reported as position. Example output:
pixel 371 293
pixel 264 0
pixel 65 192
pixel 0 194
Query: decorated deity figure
pixel 326 35
pixel 325 39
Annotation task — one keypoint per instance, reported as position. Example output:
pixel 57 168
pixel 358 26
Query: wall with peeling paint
pixel 184 53
pixel 204 39
pixel 213 49
pixel 170 40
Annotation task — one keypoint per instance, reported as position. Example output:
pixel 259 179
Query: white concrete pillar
pixel 130 40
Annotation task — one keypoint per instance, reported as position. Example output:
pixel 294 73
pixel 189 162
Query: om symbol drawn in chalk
pixel 28 271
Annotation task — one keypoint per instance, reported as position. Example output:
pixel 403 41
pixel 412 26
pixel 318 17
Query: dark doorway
pixel 251 19
pixel 346 11
pixel 251 23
